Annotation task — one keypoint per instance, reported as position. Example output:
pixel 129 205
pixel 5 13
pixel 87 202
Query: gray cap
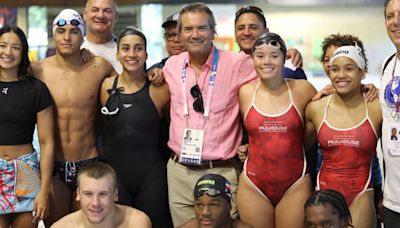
pixel 171 19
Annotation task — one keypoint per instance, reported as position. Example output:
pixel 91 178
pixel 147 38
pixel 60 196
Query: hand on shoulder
pixel 327 90
pixel 102 65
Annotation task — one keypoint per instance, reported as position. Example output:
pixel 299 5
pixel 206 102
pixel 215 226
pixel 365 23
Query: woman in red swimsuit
pixel 275 173
pixel 347 129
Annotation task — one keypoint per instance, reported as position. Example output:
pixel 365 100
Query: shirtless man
pixel 97 192
pixel 74 86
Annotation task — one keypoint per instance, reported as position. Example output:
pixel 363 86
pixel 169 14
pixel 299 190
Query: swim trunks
pixel 68 171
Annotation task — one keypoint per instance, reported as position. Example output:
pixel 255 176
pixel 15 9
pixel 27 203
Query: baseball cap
pixel 213 185
pixel 69 16
pixel 171 19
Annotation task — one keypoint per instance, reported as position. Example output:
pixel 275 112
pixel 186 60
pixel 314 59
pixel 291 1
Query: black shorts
pixel 68 171
pixel 391 219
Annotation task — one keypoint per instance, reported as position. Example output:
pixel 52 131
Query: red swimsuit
pixel 276 158
pixel 347 157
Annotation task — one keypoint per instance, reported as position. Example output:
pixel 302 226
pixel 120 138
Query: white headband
pixel 68 15
pixel 352 52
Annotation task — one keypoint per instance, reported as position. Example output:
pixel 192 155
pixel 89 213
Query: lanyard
pixel 211 83
pixel 394 66
pixel 396 103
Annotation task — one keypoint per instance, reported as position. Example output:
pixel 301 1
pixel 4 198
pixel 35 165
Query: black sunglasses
pixel 198 105
pixel 63 22
pixel 252 9
pixel 209 191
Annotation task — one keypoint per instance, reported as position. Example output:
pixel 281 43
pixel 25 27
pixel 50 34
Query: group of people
pixel 89 110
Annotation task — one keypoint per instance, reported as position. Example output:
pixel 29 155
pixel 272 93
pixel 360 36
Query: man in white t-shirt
pixel 389 93
pixel 100 17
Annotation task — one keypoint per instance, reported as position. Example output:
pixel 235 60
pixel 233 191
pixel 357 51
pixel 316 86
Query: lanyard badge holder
pixel 394 129
pixel 192 141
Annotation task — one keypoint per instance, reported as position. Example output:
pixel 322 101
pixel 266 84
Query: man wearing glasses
pixel 250 23
pixel 74 86
pixel 212 200
pixel 204 83
pixel 173 44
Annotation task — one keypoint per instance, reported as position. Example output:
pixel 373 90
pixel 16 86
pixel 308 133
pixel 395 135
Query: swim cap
pixel 271 39
pixel 213 185
pixel 69 16
pixel 352 52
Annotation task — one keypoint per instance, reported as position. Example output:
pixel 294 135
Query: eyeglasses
pixel 63 22
pixel 251 9
pixel 170 36
pixel 209 191
pixel 198 105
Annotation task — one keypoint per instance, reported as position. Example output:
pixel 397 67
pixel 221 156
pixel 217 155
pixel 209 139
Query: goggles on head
pixel 63 22
pixel 211 192
pixel 272 43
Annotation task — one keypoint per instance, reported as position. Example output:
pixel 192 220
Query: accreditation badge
pixel 394 139
pixel 192 146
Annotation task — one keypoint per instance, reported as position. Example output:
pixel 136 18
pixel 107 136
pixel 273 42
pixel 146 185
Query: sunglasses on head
pixel 63 22
pixel 209 191
pixel 198 105
pixel 251 9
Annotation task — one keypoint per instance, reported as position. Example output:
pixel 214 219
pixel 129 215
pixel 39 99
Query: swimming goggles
pixel 63 22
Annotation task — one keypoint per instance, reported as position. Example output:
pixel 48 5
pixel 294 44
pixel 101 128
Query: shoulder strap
pixel 114 86
pixel 387 62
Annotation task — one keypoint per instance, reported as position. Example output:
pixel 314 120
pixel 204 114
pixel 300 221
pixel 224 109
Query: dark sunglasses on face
pixel 63 22
pixel 198 105
pixel 246 9
pixel 210 192
pixel 170 36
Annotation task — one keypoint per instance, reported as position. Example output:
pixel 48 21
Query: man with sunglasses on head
pixel 212 200
pixel 204 83
pixel 74 86
pixel 250 23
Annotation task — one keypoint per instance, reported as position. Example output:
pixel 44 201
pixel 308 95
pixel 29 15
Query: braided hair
pixel 334 198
